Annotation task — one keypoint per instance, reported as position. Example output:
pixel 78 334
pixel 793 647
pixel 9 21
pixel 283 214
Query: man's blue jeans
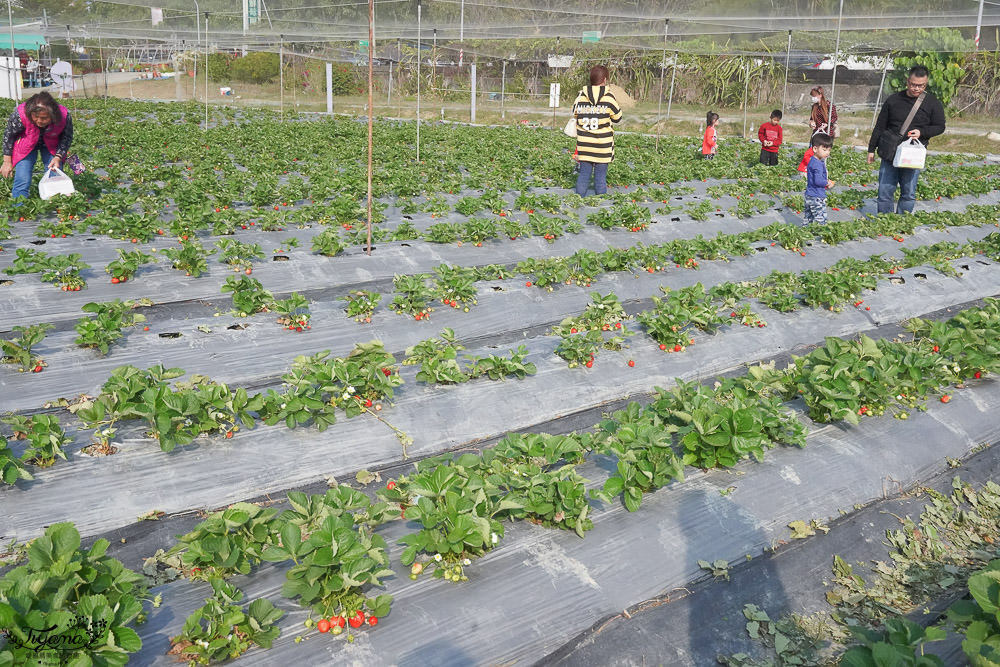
pixel 889 178
pixel 600 171
pixel 23 171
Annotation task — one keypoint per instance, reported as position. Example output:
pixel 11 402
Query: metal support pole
pixel 12 70
pixel 788 55
pixel 434 57
pixel 371 115
pixel 389 99
pixel 673 75
pixel 836 59
pixel 461 22
pixel 878 99
pixel 663 69
pixel 281 76
pixel 503 89
pixel 419 9
pixel 472 101
pixel 206 71
pixel 329 88
pixel 979 23
pixel 746 91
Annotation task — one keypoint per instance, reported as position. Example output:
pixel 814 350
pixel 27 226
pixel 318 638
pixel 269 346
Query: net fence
pixel 497 58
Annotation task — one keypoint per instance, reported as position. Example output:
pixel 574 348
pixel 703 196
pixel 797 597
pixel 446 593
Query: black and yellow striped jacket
pixel 595 110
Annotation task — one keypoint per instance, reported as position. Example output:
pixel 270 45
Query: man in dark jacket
pixel 928 122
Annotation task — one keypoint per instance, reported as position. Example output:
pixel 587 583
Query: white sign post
pixel 554 100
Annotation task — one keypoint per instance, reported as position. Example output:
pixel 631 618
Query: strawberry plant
pixel 497 368
pixel 19 350
pixel 249 296
pixel 328 243
pixel 174 416
pixel 900 642
pixel 361 304
pixel 672 318
pixel 106 326
pixel 191 258
pixel 545 492
pixel 293 311
pixel 227 542
pixel 528 202
pixel 128 262
pixel 455 286
pixel 45 437
pixel 550 227
pixel 221 629
pixel 61 269
pixel 239 256
pixel 580 348
pixel 646 460
pixel 67 597
pixel 442 232
pixel 699 211
pixel 546 272
pixel 457 508
pixel 316 386
pixel 603 313
pixel 336 557
pixel 11 466
pixel 438 359
pixel 405 231
pixel 478 230
pixel 837 379
pixel 629 215
pixel 979 617
pixel 413 296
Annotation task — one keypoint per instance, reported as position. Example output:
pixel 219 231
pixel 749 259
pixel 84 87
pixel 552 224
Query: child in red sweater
pixel 710 142
pixel 770 136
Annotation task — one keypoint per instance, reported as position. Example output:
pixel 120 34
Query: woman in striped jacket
pixel 595 110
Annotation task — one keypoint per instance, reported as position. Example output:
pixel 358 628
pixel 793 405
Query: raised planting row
pixel 182 415
pixel 460 504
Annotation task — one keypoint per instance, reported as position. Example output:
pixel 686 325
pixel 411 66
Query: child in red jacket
pixel 770 136
pixel 709 142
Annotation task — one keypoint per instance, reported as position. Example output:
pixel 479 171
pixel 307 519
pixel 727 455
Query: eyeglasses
pixel 916 86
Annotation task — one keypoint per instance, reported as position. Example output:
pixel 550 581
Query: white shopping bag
pixel 53 183
pixel 570 129
pixel 910 155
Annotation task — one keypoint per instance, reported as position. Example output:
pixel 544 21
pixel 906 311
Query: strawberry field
pixel 522 413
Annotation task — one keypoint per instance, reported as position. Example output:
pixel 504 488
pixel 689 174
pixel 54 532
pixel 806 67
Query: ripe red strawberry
pixel 373 621
pixel 356 620
pixel 37 369
pixel 978 375
pixel 631 363
pixel 386 372
pixel 945 398
pixel 590 364
pixel 677 348
pixel 662 346
pixel 391 485
pixel 935 349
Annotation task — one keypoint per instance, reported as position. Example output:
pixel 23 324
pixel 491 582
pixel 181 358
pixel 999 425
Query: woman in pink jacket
pixel 39 125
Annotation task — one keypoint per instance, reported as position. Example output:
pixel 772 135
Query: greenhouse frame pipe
pixel 281 77
pixel 788 55
pixel 206 71
pixel 371 115
pixel 878 99
pixel 503 89
pixel 673 75
pixel 10 70
pixel 746 92
pixel 663 67
pixel 419 9
pixel 836 60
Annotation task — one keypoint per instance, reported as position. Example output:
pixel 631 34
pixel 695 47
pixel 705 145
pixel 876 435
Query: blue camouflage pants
pixel 815 210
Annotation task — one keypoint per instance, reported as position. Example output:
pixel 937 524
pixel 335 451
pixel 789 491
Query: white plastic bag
pixel 910 155
pixel 570 129
pixel 53 183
